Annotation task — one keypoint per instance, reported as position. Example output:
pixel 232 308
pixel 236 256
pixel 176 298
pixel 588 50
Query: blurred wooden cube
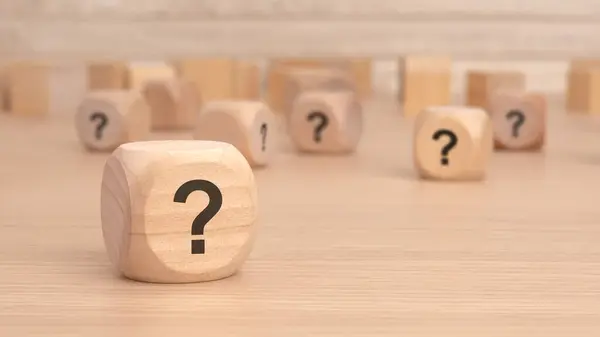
pixel 482 85
pixel 29 88
pixel 582 83
pixel 107 76
pixel 126 75
pixel 221 79
pixel 426 81
pixel 4 103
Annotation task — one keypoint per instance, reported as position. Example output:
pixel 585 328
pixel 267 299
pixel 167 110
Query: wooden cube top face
pixel 583 64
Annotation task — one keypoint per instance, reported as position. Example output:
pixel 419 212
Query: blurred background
pixel 537 37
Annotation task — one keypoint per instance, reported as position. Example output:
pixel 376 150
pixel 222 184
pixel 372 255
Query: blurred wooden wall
pixel 536 36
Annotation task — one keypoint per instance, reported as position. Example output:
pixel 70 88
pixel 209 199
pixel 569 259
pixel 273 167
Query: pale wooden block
pixel 29 88
pixel 452 143
pixel 519 120
pixel 247 81
pixel 426 81
pixel 141 72
pixel 297 81
pixel 107 75
pixel 362 73
pixel 277 76
pixel 326 121
pixel 213 77
pixel 108 118
pixel 178 211
pixel 481 85
pixel 578 79
pixel 174 103
pixel 248 125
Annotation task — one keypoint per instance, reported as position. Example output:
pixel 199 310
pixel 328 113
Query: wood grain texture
pixel 347 246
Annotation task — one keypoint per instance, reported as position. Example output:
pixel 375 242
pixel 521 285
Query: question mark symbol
pixel 520 120
pixel 324 121
pixel 215 201
pixel 263 132
pixel 103 121
pixel 451 144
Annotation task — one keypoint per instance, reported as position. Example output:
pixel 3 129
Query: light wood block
pixel 452 143
pixel 107 75
pixel 481 85
pixel 126 75
pixel 219 79
pixel 425 81
pixel 578 84
pixel 247 81
pixel 139 73
pixel 362 73
pixel 106 119
pixel 519 120
pixel 277 76
pixel 174 103
pixel 326 122
pixel 298 80
pixel 29 88
pixel 178 211
pixel 248 125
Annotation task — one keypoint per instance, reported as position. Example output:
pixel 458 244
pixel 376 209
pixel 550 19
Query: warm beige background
pixel 536 36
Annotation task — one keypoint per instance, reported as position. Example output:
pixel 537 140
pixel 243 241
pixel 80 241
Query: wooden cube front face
pixel 173 103
pixel 248 125
pixel 452 143
pixel 29 88
pixel 107 119
pixel 577 90
pixel 107 76
pixel 326 122
pixel 425 81
pixel 519 121
pixel 297 81
pixel 213 77
pixel 178 211
pixel 482 85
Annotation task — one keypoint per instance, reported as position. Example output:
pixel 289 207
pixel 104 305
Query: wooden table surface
pixel 348 246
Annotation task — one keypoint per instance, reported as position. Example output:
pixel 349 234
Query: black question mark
pixel 263 132
pixel 103 121
pixel 324 121
pixel 215 201
pixel 520 120
pixel 451 144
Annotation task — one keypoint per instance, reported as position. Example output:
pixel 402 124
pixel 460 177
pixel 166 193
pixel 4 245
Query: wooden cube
pixel 278 76
pixel 247 81
pixel 248 125
pixel 107 75
pixel 519 120
pixel 362 73
pixel 178 211
pixel 126 75
pixel 221 79
pixel 583 88
pixel 29 88
pixel 174 104
pixel 326 122
pixel 452 143
pixel 106 119
pixel 481 85
pixel 425 81
pixel 299 80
